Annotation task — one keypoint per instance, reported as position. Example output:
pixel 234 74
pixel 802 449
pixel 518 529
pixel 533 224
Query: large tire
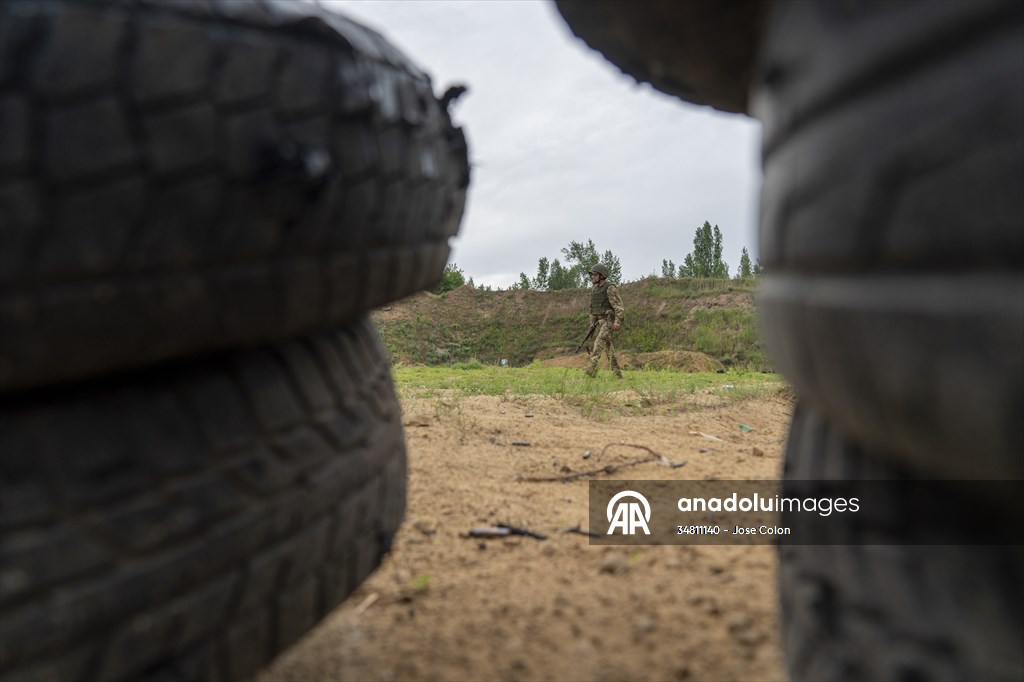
pixel 702 51
pixel 884 607
pixel 190 521
pixel 180 177
pixel 891 225
pixel 894 300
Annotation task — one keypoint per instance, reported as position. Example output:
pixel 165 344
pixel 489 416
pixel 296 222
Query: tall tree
pixel 524 281
pixel 721 268
pixel 579 258
pixel 668 269
pixel 453 278
pixel 706 258
pixel 540 282
pixel 614 267
pixel 745 270
pixel 561 277
pixel 688 268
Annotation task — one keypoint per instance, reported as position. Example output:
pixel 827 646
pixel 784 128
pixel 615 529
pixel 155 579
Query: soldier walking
pixel 607 314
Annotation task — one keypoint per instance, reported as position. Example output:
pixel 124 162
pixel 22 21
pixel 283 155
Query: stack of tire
pixel 201 451
pixel 891 233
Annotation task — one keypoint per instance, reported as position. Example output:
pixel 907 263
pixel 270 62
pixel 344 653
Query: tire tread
pixel 165 568
pixel 162 146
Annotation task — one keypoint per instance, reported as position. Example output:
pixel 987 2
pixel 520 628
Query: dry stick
pixel 654 455
pixel 608 468
pixel 522 531
pixel 366 603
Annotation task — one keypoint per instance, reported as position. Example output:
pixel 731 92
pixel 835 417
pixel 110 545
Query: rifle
pixel 585 338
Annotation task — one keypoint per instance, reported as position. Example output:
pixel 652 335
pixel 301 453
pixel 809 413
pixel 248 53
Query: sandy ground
pixel 445 606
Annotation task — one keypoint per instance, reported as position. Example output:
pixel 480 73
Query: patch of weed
pixel 420 584
pixel 599 398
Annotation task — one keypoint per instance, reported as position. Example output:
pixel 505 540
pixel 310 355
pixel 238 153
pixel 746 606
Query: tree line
pixel 574 273
pixel 572 270
pixel 706 261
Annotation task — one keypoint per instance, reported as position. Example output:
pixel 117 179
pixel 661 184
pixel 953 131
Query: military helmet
pixel 600 269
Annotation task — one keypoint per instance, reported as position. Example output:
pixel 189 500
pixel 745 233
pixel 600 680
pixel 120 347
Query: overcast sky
pixel 565 147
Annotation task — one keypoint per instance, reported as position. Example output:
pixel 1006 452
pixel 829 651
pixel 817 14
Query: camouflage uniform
pixel 605 310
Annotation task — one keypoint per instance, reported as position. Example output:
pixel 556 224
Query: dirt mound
pixel 523 325
pixel 688 361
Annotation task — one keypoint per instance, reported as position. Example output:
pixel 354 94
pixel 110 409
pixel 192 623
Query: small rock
pixel 528 414
pixel 424 527
pixel 482 545
pixel 583 648
pixel 586 455
pixel 418 421
pixel 615 564
pixel 739 623
pixel 751 638
pixel 757 452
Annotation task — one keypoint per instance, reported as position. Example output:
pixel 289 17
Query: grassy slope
pixel 715 317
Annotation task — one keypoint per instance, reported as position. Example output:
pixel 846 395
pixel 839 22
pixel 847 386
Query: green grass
pixel 710 316
pixel 690 288
pixel 728 335
pixel 638 392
